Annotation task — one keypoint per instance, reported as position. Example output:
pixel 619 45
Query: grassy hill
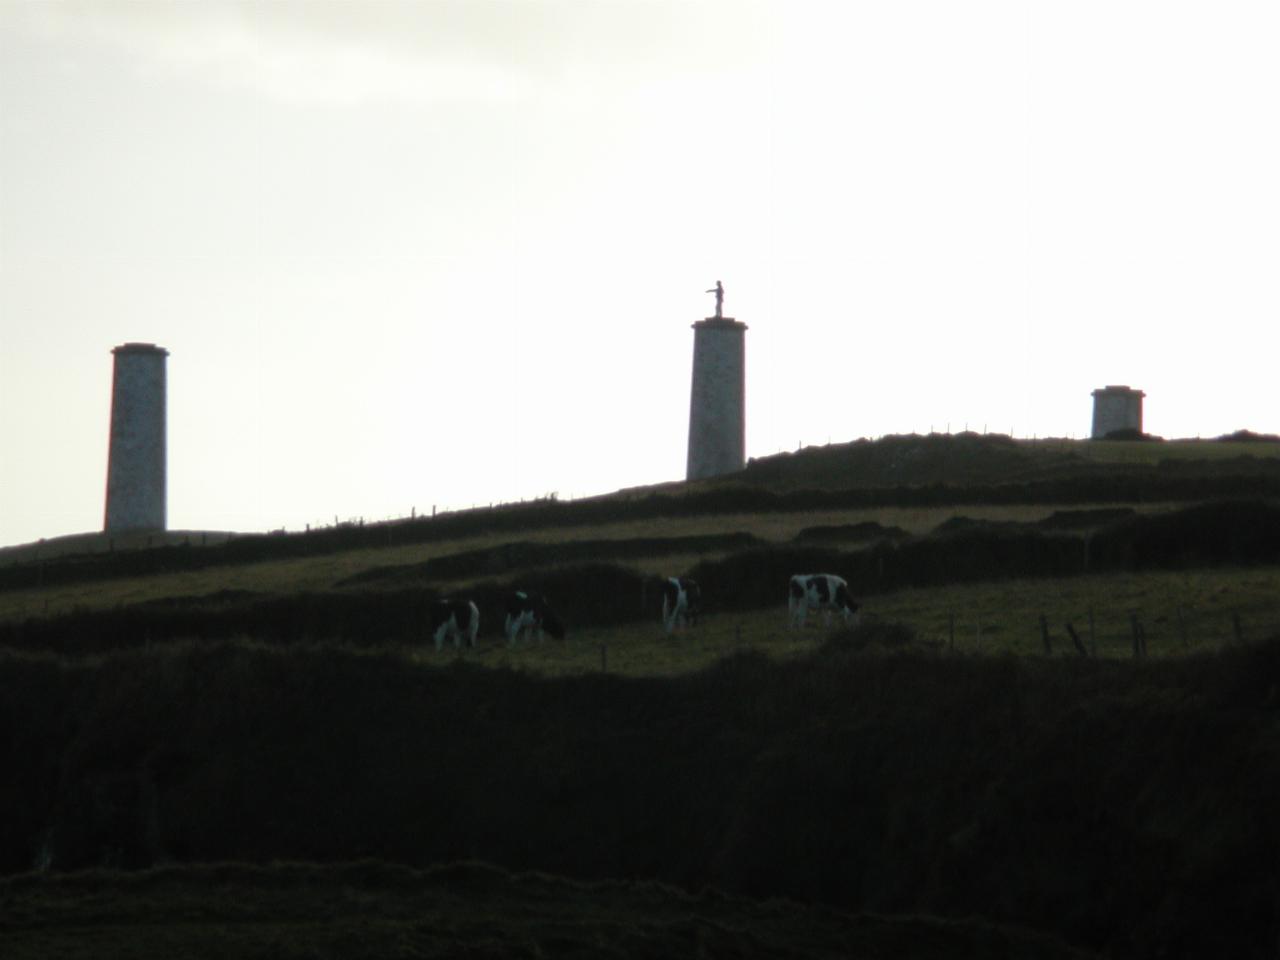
pixel 970 459
pixel 271 698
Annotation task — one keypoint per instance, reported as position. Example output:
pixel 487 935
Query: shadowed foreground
pixel 376 910
pixel 1122 807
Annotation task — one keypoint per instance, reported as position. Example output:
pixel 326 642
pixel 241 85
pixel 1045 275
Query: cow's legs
pixel 799 613
pixel 670 617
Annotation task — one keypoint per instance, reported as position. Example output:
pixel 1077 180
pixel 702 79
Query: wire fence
pixel 1104 632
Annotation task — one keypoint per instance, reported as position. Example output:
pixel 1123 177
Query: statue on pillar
pixel 718 290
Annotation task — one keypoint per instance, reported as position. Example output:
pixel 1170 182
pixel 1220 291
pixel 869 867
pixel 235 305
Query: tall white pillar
pixel 717 407
pixel 136 460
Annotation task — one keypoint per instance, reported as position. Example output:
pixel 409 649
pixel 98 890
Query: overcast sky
pixel 445 253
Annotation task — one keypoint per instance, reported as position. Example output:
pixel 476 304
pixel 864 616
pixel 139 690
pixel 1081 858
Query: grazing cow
pixel 681 601
pixel 528 613
pixel 453 618
pixel 820 591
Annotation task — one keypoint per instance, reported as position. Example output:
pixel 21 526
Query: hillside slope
pixel 891 473
pixel 970 459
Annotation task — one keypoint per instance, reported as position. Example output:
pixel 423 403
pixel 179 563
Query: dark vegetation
pixel 995 464
pixel 515 556
pixel 381 911
pixel 387 605
pixel 1248 436
pixel 1130 434
pixel 866 532
pixel 1125 807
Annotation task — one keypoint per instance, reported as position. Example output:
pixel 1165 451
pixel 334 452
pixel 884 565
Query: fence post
pixel 1044 635
pixel 1075 639
pixel 1139 644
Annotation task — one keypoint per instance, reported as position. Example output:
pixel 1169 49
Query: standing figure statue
pixel 718 290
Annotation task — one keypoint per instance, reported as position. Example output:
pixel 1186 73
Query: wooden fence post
pixel 1139 637
pixel 1075 639
pixel 1044 635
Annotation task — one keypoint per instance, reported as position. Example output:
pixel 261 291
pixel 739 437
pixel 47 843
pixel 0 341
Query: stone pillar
pixel 1116 408
pixel 136 460
pixel 717 408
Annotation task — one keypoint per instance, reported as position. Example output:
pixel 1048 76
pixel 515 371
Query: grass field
pixel 1180 612
pixel 318 573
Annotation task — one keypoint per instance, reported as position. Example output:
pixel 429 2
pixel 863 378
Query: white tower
pixel 717 409
pixel 136 461
pixel 1116 408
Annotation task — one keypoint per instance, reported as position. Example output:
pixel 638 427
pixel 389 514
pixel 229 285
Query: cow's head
pixel 847 604
pixel 693 593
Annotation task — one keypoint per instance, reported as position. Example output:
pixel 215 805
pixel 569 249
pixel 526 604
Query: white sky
pixel 406 254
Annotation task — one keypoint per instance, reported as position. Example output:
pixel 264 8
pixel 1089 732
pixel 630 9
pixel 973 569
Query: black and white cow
pixel 459 619
pixel 528 613
pixel 820 591
pixel 681 601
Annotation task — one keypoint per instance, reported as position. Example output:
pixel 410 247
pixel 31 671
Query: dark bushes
pixel 1216 532
pixel 491 561
pixel 1126 806
pixel 868 532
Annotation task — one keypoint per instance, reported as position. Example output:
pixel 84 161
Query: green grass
pixel 990 619
pixel 321 572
